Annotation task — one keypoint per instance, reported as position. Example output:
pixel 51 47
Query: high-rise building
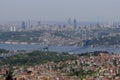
pixel 75 23
pixel 12 28
pixel 84 34
pixel 23 25
pixel 98 25
pixel 69 22
pixel 38 23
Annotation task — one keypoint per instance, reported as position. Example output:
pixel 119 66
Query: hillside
pixel 37 57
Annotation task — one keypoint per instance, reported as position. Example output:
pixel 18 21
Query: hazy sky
pixel 82 10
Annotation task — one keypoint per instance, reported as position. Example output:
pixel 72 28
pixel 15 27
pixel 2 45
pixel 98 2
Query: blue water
pixel 72 49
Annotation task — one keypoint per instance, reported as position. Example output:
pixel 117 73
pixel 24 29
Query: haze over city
pixel 60 10
pixel 59 40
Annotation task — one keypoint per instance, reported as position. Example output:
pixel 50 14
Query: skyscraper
pixel 23 25
pixel 69 22
pixel 75 23
pixel 13 28
pixel 38 23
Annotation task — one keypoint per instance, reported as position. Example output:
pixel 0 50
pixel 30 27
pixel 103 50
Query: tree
pixel 8 75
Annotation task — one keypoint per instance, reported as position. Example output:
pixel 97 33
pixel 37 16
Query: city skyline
pixel 82 10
